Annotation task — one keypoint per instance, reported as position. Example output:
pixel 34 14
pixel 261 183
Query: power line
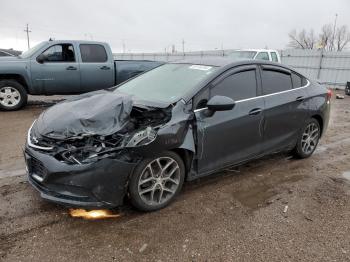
pixel 27 31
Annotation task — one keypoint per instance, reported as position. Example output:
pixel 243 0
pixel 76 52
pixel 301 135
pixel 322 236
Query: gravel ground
pixel 273 209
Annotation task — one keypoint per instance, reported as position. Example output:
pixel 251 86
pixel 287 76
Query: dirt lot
pixel 238 216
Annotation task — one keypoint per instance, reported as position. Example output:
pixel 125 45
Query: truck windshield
pixel 167 83
pixel 242 54
pixel 32 50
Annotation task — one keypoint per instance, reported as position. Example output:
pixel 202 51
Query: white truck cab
pixel 258 54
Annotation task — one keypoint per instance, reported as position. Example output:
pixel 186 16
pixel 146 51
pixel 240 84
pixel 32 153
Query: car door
pixel 229 137
pixel 285 108
pixel 56 70
pixel 97 69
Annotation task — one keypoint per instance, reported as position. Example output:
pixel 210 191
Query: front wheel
pixel 13 95
pixel 155 182
pixel 308 139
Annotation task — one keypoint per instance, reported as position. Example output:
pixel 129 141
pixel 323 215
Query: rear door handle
pixel 71 68
pixel 105 67
pixel 300 98
pixel 255 111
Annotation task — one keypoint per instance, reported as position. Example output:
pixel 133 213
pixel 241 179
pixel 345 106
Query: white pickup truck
pixel 258 54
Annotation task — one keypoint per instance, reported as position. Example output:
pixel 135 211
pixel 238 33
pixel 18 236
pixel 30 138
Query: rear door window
pixel 238 86
pixel 263 56
pixel 274 57
pixel 92 53
pixel 275 81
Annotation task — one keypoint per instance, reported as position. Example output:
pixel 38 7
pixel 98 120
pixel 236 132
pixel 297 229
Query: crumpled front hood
pixel 102 112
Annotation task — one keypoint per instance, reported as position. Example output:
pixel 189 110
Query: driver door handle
pixel 300 98
pixel 105 67
pixel 255 111
pixel 71 68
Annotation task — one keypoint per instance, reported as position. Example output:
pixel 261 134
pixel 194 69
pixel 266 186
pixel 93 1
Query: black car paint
pixel 195 136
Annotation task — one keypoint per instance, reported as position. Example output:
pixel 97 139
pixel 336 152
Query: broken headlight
pixel 142 137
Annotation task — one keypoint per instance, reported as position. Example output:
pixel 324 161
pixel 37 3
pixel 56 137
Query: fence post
pixel 320 65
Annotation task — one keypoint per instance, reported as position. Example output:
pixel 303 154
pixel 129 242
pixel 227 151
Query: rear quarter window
pixel 274 57
pixel 92 53
pixel 298 80
pixel 275 81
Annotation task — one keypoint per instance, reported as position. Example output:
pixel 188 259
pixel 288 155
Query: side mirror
pixel 220 103
pixel 41 58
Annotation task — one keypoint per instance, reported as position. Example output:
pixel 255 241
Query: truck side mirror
pixel 41 58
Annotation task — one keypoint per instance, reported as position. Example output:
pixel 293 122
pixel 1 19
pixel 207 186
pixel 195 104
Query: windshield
pixel 32 50
pixel 167 83
pixel 242 54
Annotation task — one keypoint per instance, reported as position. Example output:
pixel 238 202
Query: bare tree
pixel 326 37
pixel 302 40
pixel 342 37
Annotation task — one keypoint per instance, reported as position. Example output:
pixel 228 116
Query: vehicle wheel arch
pixel 320 122
pixel 15 77
pixel 187 156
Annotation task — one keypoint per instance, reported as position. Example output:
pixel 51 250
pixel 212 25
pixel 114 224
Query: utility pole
pixel 124 46
pixel 183 46
pixel 334 28
pixel 27 31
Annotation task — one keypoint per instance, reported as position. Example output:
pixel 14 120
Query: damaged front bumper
pixel 101 184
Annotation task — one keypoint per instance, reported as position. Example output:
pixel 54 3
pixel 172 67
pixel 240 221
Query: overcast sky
pixel 153 25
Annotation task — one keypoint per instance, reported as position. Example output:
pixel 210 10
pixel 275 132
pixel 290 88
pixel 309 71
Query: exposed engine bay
pixel 137 127
pixel 141 130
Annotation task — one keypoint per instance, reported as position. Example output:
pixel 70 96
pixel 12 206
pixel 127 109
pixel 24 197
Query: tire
pixel 347 91
pixel 13 95
pixel 308 139
pixel 164 187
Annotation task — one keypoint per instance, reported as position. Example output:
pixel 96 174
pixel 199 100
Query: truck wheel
pixel 156 181
pixel 347 91
pixel 13 95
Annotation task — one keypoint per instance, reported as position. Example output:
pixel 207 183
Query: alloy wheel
pixel 9 96
pixel 310 138
pixel 159 181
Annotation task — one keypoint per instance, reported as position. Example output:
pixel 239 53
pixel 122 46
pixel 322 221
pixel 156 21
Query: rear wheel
pixel 156 181
pixel 308 139
pixel 347 91
pixel 13 95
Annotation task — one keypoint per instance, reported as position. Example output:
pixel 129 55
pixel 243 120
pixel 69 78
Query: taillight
pixel 329 94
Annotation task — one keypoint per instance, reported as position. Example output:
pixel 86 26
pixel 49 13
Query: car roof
pixel 227 62
pixel 257 50
pixel 75 41
pixel 223 65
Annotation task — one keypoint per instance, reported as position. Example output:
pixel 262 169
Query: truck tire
pixel 347 91
pixel 13 95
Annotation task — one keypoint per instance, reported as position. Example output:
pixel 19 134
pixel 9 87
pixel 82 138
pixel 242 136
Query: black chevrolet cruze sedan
pixel 180 121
